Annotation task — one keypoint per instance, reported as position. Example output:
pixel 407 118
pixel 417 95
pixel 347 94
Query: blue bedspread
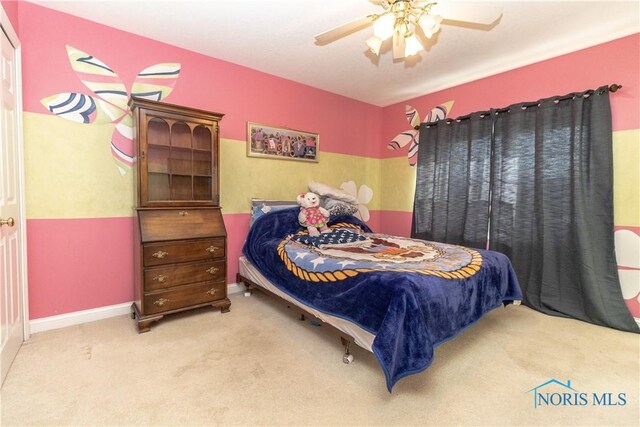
pixel 411 294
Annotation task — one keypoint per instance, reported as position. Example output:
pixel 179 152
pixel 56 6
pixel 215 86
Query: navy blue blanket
pixel 411 294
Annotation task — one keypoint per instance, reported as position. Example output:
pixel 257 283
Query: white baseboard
pixel 78 317
pixel 91 315
pixel 234 288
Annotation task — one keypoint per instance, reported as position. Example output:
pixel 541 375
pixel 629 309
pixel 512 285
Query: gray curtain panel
pixel 552 206
pixel 537 180
pixel 451 203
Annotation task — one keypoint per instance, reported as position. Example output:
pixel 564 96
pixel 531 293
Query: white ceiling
pixel 277 37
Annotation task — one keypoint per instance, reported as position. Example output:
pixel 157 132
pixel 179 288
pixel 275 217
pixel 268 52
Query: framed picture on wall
pixel 281 143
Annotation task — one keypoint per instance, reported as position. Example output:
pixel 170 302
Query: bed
pixel 396 297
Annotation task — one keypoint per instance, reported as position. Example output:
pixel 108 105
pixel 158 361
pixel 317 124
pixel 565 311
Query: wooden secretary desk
pixel 180 241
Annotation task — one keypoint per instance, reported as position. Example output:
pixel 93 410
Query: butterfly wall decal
pixel 108 104
pixel 411 136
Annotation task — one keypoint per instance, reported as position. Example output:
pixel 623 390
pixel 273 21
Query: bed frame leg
pixel 347 357
pixel 247 290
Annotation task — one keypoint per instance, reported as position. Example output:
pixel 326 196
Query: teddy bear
pixel 312 215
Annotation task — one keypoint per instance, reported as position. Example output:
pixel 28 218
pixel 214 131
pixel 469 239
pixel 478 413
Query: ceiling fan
pixel 407 21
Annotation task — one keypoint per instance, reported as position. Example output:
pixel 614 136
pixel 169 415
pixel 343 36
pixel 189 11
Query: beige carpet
pixel 258 365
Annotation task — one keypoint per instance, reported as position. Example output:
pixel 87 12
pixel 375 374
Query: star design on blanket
pixel 317 261
pixel 344 263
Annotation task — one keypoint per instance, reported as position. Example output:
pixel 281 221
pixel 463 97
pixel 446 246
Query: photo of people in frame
pixel 281 143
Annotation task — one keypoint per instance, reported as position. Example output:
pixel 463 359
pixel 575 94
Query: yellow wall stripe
pixel 242 177
pixel 70 173
pixel 626 178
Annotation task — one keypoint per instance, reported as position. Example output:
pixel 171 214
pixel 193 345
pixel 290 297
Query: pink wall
pixel 78 264
pixel 11 9
pixel 613 62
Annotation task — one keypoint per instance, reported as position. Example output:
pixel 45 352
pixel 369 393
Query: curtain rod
pixel 612 88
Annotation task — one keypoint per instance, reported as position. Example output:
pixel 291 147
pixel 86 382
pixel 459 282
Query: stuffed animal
pixel 312 215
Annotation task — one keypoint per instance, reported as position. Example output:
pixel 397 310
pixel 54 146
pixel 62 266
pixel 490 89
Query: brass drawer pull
pixel 212 291
pixel 161 278
pixel 212 270
pixel 212 249
pixel 160 302
pixel 183 213
pixel 160 254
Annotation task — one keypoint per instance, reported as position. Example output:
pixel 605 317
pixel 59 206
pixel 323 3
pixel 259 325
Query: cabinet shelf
pixel 179 148
pixel 188 174
pixel 179 174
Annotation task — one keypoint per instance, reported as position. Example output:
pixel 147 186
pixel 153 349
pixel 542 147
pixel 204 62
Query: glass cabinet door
pixel 158 155
pixel 202 164
pixel 179 161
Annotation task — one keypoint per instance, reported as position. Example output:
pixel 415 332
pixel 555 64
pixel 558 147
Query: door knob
pixel 10 222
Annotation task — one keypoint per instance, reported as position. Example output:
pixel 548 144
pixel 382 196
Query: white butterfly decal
pixel 364 195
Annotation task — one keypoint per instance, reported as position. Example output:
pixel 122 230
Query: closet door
pixel 12 269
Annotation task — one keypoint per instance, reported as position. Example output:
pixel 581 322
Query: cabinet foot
pixel 145 325
pixel 224 305
pixel 144 322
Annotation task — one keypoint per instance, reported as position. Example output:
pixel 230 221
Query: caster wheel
pixel 247 293
pixel 347 358
pixel 133 315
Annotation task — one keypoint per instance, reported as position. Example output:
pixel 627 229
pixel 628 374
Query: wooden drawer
pixel 181 274
pixel 184 296
pixel 183 251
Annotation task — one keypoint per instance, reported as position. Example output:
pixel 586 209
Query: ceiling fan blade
pixel 343 30
pixel 468 12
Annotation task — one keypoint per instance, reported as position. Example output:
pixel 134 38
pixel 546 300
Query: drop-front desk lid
pixel 180 223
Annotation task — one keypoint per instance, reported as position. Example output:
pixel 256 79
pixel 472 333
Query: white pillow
pixel 325 191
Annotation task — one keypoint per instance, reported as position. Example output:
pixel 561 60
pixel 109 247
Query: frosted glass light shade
pixel 412 46
pixel 430 24
pixel 374 44
pixel 383 26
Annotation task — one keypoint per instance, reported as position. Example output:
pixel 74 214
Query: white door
pixel 11 221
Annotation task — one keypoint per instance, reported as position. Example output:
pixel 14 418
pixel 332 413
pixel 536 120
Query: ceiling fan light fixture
pixel 402 20
pixel 374 44
pixel 383 26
